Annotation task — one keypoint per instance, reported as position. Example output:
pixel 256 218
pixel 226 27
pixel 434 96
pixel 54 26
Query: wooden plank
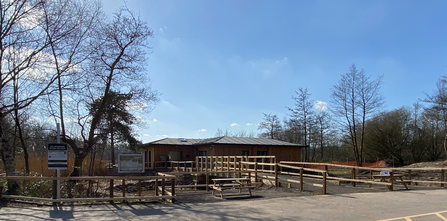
pixel 87 177
pixel 359 181
pixel 290 180
pixel 84 199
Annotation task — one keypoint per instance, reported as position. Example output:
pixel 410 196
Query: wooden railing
pixel 268 165
pixel 160 190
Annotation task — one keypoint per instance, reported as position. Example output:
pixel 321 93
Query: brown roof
pixel 224 140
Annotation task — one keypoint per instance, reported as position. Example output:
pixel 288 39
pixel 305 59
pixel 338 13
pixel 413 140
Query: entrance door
pixel 148 159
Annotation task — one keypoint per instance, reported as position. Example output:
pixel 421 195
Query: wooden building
pixel 181 149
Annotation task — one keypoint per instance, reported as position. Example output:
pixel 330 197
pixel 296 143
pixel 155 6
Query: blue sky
pixel 221 64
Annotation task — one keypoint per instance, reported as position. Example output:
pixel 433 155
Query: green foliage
pixel 36 187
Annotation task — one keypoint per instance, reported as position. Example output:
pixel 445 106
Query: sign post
pixel 57 159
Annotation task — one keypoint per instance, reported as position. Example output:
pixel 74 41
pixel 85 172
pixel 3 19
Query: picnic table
pixel 221 184
pixel 386 177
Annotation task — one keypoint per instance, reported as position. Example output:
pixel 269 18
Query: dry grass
pixel 39 164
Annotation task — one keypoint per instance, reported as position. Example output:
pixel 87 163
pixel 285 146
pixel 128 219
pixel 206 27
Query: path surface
pixel 402 205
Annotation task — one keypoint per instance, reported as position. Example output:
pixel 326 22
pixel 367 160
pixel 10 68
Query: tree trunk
pixel 9 165
pixel 22 141
pixel 79 159
pixel 112 148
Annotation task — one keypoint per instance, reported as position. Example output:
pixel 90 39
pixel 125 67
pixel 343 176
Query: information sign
pixel 57 156
pixel 131 163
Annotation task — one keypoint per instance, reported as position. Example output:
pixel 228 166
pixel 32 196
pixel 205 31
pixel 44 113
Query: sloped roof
pixel 225 140
pixel 248 141
pixel 176 141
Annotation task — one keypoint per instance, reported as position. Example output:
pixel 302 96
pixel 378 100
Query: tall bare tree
pixel 25 76
pixel 116 64
pixel 355 98
pixel 303 113
pixel 438 106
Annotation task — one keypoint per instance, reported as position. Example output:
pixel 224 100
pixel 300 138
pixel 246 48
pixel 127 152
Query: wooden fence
pixel 161 192
pixel 268 165
pixel 257 167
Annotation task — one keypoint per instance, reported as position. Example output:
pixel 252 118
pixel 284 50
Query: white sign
pixel 131 163
pixel 57 156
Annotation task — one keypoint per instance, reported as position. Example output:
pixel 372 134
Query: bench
pixel 403 182
pixel 221 184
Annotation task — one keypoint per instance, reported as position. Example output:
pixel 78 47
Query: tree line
pixel 355 126
pixel 67 62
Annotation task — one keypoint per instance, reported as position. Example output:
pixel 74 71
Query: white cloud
pixel 202 130
pixel 249 124
pixel 146 135
pixel 136 105
pixel 320 105
pixel 162 135
pixel 234 124
pixel 161 30
pixel 154 120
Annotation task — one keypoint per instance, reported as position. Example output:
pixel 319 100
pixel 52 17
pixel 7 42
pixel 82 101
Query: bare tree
pixel 272 124
pixel 25 76
pixel 322 123
pixel 117 64
pixel 355 98
pixel 304 114
pixel 438 106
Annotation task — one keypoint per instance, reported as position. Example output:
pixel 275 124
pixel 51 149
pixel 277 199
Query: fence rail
pixel 161 195
pixel 258 167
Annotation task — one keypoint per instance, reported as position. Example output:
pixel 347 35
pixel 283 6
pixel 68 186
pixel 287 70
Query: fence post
pixel 409 176
pixel 256 171
pixel 391 180
pixel 156 187
pixel 353 176
pixel 276 175
pixel 235 166
pixel 197 163
pixel 111 190
pixel 54 191
pixel 324 183
pixel 207 182
pixel 139 185
pixel 124 186
pixel 301 179
pixel 442 177
pixel 163 184
pixel 262 166
pixel 173 190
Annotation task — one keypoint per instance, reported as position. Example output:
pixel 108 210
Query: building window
pixel 245 153
pixel 202 153
pixel 261 153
